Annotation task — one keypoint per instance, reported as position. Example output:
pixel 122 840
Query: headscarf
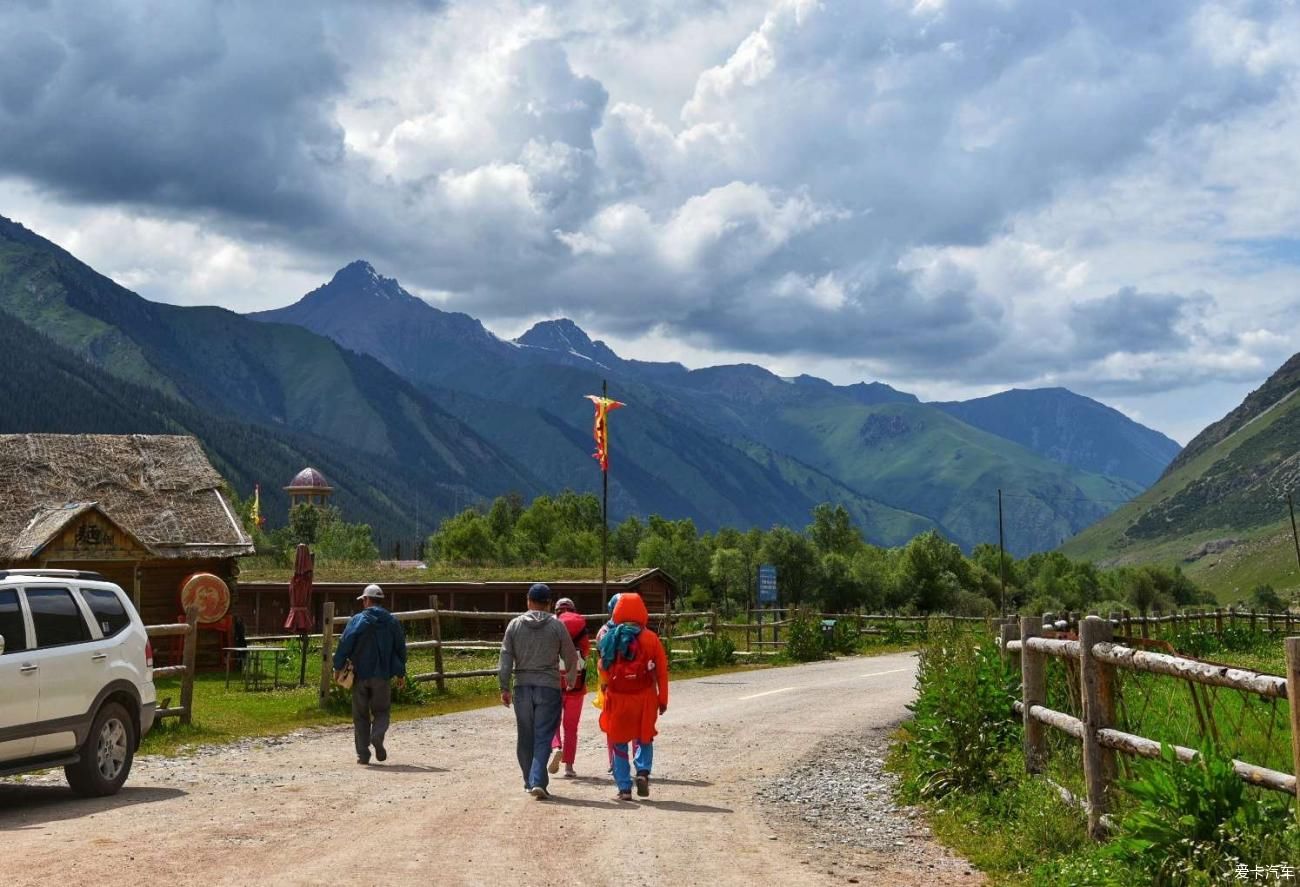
pixel 630 616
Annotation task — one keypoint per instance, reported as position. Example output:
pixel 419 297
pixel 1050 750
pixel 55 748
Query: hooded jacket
pixel 376 644
pixel 629 717
pixel 532 649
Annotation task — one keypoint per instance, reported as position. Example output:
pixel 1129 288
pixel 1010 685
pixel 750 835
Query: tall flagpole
pixel 604 506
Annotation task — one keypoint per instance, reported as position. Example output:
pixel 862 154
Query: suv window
pixel 56 617
pixel 11 622
pixel 108 610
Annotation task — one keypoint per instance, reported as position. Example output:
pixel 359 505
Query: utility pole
pixel 604 508
pixel 1002 555
pixel 1295 537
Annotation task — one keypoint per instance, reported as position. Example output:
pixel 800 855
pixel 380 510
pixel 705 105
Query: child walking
pixel 565 744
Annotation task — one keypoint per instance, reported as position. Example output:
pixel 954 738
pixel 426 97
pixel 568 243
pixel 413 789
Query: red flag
pixel 601 429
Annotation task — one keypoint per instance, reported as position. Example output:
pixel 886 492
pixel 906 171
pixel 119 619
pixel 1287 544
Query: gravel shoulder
pixel 754 771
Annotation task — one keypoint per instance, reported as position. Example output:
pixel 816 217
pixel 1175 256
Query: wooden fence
pixel 189 652
pixel 1099 660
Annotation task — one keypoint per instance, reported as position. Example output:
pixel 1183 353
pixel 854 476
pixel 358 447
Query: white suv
pixel 76 678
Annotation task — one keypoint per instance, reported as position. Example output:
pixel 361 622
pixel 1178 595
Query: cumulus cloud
pixel 997 193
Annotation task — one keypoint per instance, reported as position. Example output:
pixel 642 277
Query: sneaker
pixel 554 766
pixel 623 796
pixel 569 772
pixel 381 754
pixel 540 793
pixel 365 762
pixel 643 785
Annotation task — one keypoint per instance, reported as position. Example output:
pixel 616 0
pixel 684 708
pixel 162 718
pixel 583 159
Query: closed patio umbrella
pixel 299 619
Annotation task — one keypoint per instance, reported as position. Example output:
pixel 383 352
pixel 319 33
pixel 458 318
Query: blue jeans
pixel 644 760
pixel 537 717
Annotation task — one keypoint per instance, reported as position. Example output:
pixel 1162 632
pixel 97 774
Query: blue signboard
pixel 767 584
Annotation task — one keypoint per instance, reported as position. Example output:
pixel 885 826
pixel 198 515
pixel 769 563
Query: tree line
pixel 827 563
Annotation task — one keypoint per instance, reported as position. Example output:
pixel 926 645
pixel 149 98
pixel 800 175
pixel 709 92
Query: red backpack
pixel 632 675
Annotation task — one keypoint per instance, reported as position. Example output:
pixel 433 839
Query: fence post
pixel 189 656
pixel 1008 631
pixel 668 629
pixel 326 652
pixel 1097 681
pixel 1033 681
pixel 1218 622
pixel 713 622
pixel 1128 624
pixel 1252 620
pixel 1293 703
pixel 435 623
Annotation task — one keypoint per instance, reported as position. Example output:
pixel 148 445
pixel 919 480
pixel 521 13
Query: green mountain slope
pixel 737 444
pixel 282 378
pixel 1071 429
pixel 46 388
pixel 1220 510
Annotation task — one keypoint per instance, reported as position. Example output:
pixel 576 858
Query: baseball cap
pixel 565 603
pixel 540 592
pixel 372 591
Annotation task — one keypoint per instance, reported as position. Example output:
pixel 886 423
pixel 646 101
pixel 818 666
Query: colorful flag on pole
pixel 601 429
pixel 258 520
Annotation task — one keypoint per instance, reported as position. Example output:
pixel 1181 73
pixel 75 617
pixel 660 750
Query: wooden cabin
pixel 145 511
pixel 264 605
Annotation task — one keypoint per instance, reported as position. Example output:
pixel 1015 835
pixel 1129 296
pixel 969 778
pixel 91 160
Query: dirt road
pixel 448 807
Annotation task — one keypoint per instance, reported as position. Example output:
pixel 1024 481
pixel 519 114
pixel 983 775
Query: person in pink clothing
pixel 565 745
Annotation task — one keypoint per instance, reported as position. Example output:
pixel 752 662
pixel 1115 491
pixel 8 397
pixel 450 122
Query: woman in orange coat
pixel 634 675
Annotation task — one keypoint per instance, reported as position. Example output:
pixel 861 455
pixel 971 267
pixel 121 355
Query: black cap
pixel 540 592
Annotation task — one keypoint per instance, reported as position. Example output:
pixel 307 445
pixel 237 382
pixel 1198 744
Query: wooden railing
pixel 189 653
pixel 1098 659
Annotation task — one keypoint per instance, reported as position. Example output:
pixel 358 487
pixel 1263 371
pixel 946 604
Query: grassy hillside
pixel 46 388
pixel 1073 430
pixel 1220 511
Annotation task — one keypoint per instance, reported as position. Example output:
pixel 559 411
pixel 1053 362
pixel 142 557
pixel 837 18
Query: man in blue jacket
pixel 376 644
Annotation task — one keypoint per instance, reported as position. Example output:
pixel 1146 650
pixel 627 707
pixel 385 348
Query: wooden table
pixel 252 665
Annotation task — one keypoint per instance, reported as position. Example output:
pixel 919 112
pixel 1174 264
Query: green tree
pixel 832 530
pixel 1263 597
pixel 932 569
pixel 840 591
pixel 795 559
pixel 729 571
pixel 304 522
pixel 873 570
pixel 465 538
pixel 338 540
pixel 625 538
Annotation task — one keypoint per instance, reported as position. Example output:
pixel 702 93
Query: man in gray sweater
pixel 531 651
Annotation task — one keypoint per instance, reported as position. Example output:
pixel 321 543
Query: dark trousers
pixel 371 699
pixel 537 717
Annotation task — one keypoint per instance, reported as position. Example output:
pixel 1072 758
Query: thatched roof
pixel 160 489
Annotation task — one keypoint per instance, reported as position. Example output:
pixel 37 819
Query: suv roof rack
pixel 53 574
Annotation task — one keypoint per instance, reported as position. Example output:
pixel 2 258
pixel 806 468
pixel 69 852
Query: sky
pixel 951 197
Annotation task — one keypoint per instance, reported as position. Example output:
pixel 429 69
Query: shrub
pixel 962 718
pixel 713 652
pixel 803 639
pixel 1197 820
pixel 844 639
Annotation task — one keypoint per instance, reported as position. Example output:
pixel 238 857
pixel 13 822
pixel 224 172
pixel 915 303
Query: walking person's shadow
pixel 407 768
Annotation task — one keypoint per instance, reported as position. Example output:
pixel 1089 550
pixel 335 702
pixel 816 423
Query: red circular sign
pixel 207 592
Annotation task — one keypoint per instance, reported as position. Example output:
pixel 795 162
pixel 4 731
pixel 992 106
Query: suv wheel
pixel 106 754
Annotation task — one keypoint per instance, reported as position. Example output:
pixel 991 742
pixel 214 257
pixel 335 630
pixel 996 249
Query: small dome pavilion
pixel 309 487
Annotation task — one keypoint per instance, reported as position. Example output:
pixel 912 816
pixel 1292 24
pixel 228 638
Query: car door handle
pixel 99 657
pixel 28 668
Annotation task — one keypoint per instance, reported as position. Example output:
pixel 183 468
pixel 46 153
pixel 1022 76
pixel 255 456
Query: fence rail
pixel 1100 661
pixel 185 671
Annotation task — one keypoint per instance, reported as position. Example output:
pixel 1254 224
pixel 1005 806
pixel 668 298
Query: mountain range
pixel 412 411
pixel 1220 510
